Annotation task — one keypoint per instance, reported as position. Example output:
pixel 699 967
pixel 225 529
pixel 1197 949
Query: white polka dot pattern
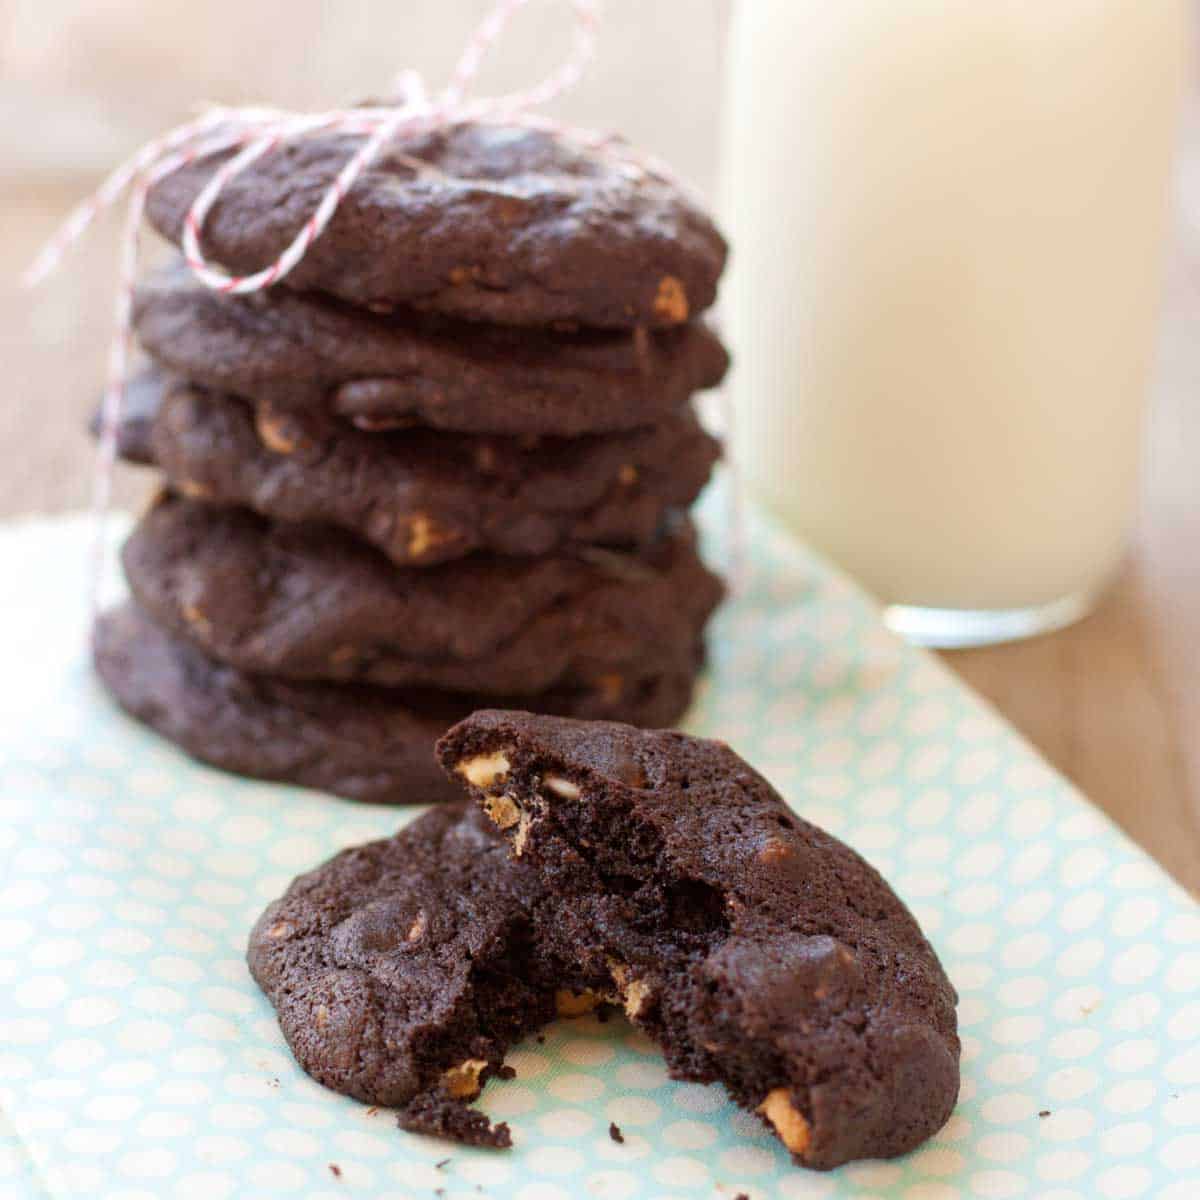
pixel 137 1059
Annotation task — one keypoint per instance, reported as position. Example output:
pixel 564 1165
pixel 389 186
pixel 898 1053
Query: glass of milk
pixel 948 220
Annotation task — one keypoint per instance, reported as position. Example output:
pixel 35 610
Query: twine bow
pixel 259 131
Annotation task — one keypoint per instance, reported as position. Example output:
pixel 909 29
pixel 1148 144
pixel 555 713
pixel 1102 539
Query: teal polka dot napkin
pixel 138 1060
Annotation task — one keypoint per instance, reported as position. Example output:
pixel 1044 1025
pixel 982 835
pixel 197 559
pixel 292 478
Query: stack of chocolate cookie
pixel 443 465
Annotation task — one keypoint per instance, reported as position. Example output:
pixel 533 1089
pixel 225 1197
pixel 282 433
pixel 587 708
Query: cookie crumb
pixel 541 1039
pixel 741 1196
pixel 335 1170
pixel 614 1132
pixel 1044 1113
pixel 437 1115
pixel 373 1111
pixel 504 1071
pixel 441 1162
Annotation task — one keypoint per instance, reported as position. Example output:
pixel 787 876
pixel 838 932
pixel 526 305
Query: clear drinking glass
pixel 948 220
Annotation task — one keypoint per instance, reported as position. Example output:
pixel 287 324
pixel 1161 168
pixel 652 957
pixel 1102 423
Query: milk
pixel 948 219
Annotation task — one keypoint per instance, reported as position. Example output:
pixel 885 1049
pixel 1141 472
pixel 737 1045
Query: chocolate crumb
pixel 541 1039
pixel 506 1072
pixel 614 1132
pixel 439 1115
pixel 1044 1113
pixel 741 1196
pixel 437 1166
pixel 602 1014
pixel 335 1170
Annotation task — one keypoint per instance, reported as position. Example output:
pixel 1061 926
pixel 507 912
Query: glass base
pixel 958 628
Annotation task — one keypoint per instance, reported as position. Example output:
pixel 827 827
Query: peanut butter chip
pixel 424 534
pixel 194 615
pixel 575 1004
pixel 563 787
pixel 503 810
pixel 462 1081
pixel 322 1016
pixel 485 769
pixel 522 834
pixel 342 655
pixel 628 475
pixel 670 301
pixel 633 992
pixel 635 997
pixel 773 851
pixel 281 929
pixel 790 1124
pixel 273 432
pixel 417 928
pixel 192 489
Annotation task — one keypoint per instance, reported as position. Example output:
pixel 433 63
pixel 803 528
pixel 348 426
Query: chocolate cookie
pixel 399 970
pixel 305 602
pixel 420 497
pixel 757 950
pixel 493 223
pixel 364 743
pixel 309 352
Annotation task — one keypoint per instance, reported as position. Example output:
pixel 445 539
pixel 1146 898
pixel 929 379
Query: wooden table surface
pixel 1113 702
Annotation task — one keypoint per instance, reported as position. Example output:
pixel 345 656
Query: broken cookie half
pixel 755 949
pixel 401 971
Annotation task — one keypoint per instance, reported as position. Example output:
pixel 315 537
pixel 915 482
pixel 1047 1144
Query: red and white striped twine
pixel 259 131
